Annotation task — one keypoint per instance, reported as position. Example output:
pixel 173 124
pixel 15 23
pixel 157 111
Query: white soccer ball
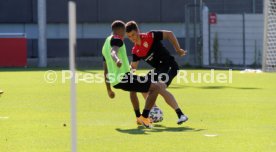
pixel 156 114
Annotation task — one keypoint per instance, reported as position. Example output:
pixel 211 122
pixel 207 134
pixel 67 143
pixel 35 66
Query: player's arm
pixel 111 94
pixel 134 63
pixel 116 43
pixel 168 35
pixel 114 55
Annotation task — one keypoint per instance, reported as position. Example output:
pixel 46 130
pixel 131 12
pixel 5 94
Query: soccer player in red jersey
pixel 148 47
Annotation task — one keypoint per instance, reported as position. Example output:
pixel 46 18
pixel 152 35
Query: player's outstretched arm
pixel 111 94
pixel 114 55
pixel 168 35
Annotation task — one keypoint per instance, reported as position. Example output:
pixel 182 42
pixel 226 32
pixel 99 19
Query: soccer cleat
pixel 145 121
pixel 182 119
pixel 138 121
pixel 151 120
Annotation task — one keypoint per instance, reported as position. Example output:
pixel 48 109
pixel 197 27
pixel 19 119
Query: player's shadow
pixel 178 86
pixel 228 87
pixel 157 128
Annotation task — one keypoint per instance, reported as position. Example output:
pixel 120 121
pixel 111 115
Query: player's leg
pixel 136 106
pixel 133 83
pixel 165 75
pixel 154 89
pixel 144 85
pixel 169 98
pixel 145 95
pixel 153 92
pixel 149 76
pixel 172 73
pixel 135 103
pixel 168 76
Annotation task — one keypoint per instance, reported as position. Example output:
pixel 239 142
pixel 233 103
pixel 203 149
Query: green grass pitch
pixel 35 116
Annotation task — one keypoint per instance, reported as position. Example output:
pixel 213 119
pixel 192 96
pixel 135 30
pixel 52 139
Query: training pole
pixel 72 50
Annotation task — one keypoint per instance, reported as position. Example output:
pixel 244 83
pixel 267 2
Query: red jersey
pixel 152 50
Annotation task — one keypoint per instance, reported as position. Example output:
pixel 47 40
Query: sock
pixel 137 113
pixel 145 113
pixel 179 112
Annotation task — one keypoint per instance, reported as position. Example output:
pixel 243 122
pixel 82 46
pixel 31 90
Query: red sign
pixel 212 18
pixel 13 52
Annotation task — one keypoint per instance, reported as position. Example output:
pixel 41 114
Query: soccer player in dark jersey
pixel 148 47
pixel 117 72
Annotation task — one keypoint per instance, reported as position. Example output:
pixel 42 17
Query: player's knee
pixel 154 87
pixel 162 86
pixel 157 87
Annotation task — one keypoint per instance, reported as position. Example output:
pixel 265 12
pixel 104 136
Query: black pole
pixel 243 39
pixel 209 42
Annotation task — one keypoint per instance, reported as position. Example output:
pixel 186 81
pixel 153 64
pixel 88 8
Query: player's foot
pixel 145 121
pixel 139 122
pixel 151 121
pixel 182 119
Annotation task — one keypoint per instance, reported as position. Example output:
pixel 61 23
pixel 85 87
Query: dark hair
pixel 117 24
pixel 130 26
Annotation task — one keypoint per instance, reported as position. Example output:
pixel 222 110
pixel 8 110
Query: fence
pixel 236 40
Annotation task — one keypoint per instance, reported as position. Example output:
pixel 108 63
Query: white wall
pixel 230 37
pixel 86 30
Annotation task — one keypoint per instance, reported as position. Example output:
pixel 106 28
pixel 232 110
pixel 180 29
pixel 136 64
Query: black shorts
pixel 134 83
pixel 164 74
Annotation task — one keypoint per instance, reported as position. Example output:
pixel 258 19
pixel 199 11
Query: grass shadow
pixel 178 86
pixel 227 87
pixel 246 88
pixel 157 128
pixel 135 131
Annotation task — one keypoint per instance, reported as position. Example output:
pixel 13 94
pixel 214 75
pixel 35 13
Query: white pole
pixel 42 40
pixel 205 29
pixel 72 49
pixel 265 38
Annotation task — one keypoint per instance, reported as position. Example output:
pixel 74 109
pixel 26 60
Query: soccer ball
pixel 156 114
